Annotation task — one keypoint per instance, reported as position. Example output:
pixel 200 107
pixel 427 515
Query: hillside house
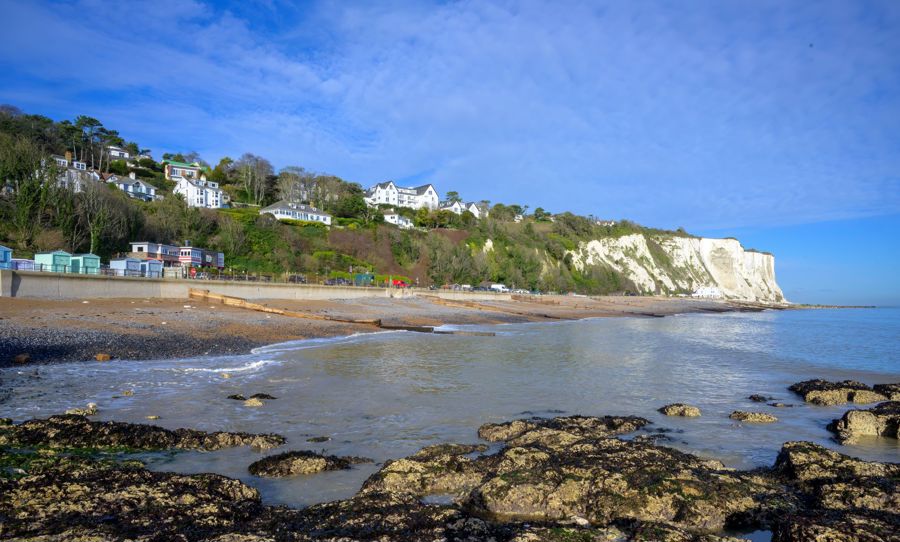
pixel 134 187
pixel 296 211
pixel 388 193
pixel 117 153
pixel 176 171
pixel 200 193
pixel 166 254
pixel 398 220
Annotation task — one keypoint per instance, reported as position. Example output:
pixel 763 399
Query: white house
pixel 708 292
pixel 133 186
pixel 76 179
pixel 296 211
pixel 200 192
pixel 459 208
pixel 398 220
pixel 388 193
pixel 478 210
pixel 117 153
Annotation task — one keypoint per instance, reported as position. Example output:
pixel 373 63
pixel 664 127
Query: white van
pixel 499 288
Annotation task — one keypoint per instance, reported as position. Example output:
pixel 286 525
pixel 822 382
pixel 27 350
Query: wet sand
pixel 49 331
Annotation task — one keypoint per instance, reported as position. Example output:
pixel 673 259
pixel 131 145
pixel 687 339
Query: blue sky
pixel 775 122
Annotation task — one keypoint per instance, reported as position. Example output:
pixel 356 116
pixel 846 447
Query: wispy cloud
pixel 706 115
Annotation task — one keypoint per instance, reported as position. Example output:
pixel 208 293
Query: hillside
pixel 559 252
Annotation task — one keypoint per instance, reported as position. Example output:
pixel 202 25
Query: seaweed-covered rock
pixel 73 498
pixel 596 427
pixel 849 499
pixel 72 431
pixel 823 392
pixel 443 469
pixel 891 391
pixel 264 396
pixel 757 398
pixel 236 397
pixel 301 462
pixel 564 468
pixel 680 409
pixel 882 420
pixel 752 417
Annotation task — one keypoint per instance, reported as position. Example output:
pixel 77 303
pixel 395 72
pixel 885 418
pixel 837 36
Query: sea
pixel 386 395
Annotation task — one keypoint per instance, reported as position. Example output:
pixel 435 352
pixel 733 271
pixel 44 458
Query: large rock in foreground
pixel 879 421
pixel 891 391
pixel 849 499
pixel 72 431
pixel 823 392
pixel 301 462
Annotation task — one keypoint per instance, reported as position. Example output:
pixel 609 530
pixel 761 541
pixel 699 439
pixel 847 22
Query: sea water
pixel 386 395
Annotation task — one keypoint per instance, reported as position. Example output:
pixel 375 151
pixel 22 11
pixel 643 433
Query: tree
pixel 453 197
pixel 295 184
pixel 220 173
pixel 89 127
pixel 541 215
pixel 99 213
pixel 22 162
pixel 253 172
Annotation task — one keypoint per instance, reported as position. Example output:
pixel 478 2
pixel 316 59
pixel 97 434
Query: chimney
pixel 68 156
pixel 131 175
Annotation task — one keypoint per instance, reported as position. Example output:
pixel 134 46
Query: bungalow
pixel 133 186
pixel 189 256
pixel 398 220
pixel 167 254
pixel 296 211
pixel 176 171
pixel 459 208
pixel 388 193
pixel 5 257
pixel 86 264
pixel 125 267
pixel 58 261
pixel 117 153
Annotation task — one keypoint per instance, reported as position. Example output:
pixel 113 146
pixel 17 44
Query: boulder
pixel 236 397
pixel 301 462
pixel 264 396
pixel 882 420
pixel 442 469
pixel 891 391
pixel 752 417
pixel 73 431
pixel 89 410
pixel 680 409
pixel 22 358
pixel 756 398
pixel 823 392
pixel 102 356
pixel 252 402
pixel 574 425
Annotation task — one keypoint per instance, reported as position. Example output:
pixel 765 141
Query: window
pixel 140 249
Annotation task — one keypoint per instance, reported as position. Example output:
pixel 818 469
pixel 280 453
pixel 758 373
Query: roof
pixel 194 165
pixel 86 254
pixel 422 189
pixel 54 252
pixel 5 248
pixel 283 204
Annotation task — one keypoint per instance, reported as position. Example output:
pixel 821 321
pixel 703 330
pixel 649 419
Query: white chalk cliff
pixel 673 264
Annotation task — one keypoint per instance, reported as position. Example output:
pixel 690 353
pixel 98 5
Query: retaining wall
pixel 68 286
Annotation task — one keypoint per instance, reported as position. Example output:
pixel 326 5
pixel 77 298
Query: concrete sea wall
pixel 68 286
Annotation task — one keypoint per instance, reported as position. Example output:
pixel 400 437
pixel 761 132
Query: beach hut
pixel 58 261
pixel 86 264
pixel 21 264
pixel 151 268
pixel 127 267
pixel 5 257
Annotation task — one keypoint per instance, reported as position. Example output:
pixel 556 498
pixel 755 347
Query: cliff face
pixel 671 264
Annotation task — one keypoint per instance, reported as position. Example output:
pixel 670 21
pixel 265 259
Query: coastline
pixel 57 331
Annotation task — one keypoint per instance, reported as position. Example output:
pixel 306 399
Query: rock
pixel 759 398
pixel 880 421
pixel 576 425
pixel 22 358
pixel 89 410
pixel 152 417
pixel 226 375
pixel 780 405
pixel 823 392
pixel 73 431
pixel 102 357
pixel 301 462
pixel 237 397
pixel 850 499
pixel 5 421
pixel 128 393
pixel 264 396
pixel 442 469
pixel 891 391
pixel 318 439
pixel 253 403
pixel 680 409
pixel 752 417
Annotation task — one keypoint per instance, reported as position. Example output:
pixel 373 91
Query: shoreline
pixel 53 331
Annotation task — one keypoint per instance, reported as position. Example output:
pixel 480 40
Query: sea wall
pixel 676 264
pixel 68 286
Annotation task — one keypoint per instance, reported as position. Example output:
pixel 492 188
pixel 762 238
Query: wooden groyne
pixel 482 307
pixel 231 301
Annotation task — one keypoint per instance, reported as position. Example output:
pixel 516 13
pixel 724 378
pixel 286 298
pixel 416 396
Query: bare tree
pixel 296 184
pixel 99 213
pixel 253 171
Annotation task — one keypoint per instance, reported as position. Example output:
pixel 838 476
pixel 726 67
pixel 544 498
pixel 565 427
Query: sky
pixel 777 122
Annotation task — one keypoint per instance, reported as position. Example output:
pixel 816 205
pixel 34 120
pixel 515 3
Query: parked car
pixel 400 284
pixel 297 279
